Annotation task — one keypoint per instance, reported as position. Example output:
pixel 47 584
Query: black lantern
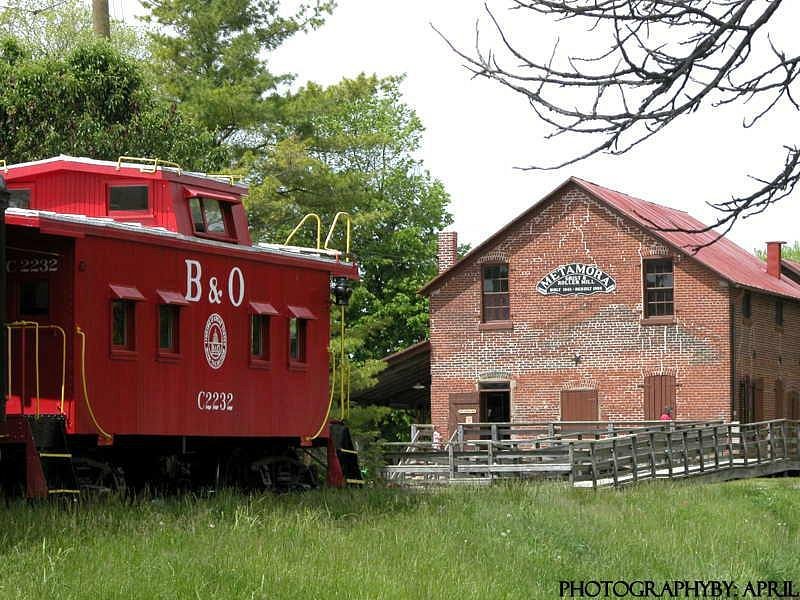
pixel 341 290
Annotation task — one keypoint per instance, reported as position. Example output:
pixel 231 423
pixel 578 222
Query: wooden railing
pixel 527 432
pixel 600 453
pixel 717 450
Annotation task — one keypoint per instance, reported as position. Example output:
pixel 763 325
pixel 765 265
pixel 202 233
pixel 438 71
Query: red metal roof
pixel 792 265
pixel 729 261
pixel 79 226
pixel 124 169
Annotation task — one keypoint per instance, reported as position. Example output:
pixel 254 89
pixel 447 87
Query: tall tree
pixel 352 147
pixel 211 56
pixel 54 29
pixel 92 102
pixel 658 61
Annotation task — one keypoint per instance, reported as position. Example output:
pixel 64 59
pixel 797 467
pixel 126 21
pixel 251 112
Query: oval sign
pixel 215 341
pixel 576 279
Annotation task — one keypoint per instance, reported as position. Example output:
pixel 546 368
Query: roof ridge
pixel 637 199
pixel 674 228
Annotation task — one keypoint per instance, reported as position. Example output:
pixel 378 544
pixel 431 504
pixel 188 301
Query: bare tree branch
pixel 664 59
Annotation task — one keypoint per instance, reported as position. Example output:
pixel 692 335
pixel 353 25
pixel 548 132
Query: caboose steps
pixel 49 435
pixel 41 443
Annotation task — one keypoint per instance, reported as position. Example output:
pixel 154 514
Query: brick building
pixel 586 307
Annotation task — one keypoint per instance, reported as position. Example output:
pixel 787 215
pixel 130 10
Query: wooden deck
pixel 597 454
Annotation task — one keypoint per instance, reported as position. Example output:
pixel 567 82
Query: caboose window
pixel 210 217
pixel 297 340
pixel 122 324
pixel 259 337
pixel 127 197
pixel 168 320
pixel 198 222
pixel 19 198
pixel 215 221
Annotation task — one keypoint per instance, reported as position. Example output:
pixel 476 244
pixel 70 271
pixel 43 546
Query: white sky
pixel 478 131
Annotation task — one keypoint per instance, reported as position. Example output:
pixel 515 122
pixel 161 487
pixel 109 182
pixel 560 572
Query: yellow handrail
pixel 330 400
pixel 23 325
pixel 102 431
pixel 347 236
pixel 169 163
pixel 301 223
pixel 155 162
pixel 229 176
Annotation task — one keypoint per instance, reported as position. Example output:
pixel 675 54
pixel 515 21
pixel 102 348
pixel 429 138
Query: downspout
pixel 4 198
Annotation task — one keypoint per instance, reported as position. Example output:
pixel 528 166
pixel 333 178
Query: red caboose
pixel 147 336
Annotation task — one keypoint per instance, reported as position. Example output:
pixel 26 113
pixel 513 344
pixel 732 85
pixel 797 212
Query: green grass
pixel 514 541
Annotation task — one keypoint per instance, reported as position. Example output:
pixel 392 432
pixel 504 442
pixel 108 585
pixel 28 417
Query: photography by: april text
pixel 678 589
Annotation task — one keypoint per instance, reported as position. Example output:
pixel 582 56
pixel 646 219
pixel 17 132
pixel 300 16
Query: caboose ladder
pixel 49 436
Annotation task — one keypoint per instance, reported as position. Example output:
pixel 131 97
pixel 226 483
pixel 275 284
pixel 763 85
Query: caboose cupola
pixel 144 191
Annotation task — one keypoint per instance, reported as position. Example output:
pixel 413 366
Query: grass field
pixel 514 541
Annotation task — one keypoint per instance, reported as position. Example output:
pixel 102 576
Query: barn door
pixel 464 408
pixel 659 393
pixel 579 405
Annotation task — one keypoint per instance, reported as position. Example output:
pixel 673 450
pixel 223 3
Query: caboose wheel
pixel 98 477
pixel 284 474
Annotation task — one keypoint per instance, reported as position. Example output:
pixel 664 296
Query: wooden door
pixel 659 393
pixel 464 408
pixel 758 399
pixel 743 410
pixel 579 405
pixel 794 405
pixel 781 407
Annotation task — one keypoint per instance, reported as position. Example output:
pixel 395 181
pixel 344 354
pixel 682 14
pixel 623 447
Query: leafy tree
pixel 92 102
pixel 372 425
pixel 351 147
pixel 210 56
pixel 53 29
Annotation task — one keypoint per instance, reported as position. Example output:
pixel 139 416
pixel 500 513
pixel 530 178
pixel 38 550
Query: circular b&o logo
pixel 215 341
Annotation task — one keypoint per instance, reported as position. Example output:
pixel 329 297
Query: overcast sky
pixel 477 131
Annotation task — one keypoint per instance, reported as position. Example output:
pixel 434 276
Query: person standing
pixel 436 438
pixel 666 414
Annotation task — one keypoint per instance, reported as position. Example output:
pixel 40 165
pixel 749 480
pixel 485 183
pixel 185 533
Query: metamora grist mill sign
pixel 576 279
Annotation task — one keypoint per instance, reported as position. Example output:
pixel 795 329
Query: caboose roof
pixel 123 169
pixel 675 228
pixel 79 226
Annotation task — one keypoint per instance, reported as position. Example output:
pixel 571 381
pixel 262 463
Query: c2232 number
pixel 215 401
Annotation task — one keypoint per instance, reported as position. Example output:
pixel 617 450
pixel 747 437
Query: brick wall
pixel 617 351
pixel 765 350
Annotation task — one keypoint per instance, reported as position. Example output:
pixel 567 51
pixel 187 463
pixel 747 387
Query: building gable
pixel 674 229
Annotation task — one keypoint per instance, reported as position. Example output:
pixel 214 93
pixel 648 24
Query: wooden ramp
pixel 596 454
pixel 716 452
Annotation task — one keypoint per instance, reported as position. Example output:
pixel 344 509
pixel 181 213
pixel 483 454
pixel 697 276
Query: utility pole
pixel 100 20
